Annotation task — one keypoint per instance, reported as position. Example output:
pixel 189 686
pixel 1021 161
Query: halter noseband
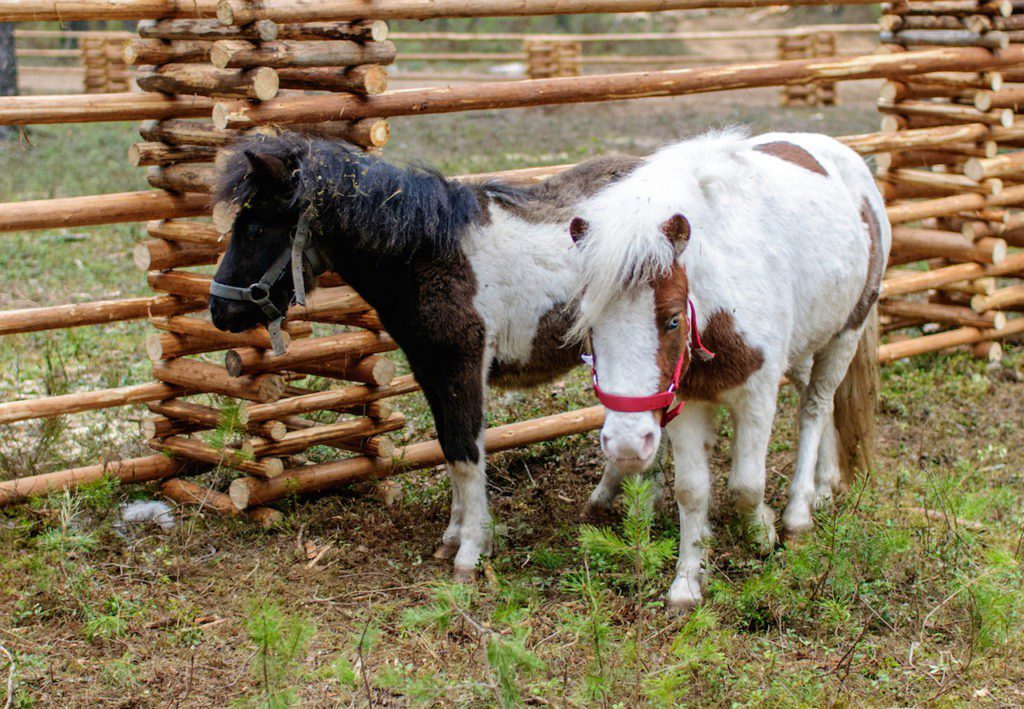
pixel 298 254
pixel 655 402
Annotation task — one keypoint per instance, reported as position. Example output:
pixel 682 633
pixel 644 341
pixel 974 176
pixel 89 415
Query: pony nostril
pixel 647 446
pixel 606 443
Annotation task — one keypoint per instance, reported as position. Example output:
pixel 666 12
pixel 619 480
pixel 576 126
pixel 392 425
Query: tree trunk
pixel 8 72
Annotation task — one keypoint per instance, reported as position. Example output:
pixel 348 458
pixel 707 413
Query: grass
pixel 908 592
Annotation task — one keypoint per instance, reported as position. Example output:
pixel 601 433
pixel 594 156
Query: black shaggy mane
pixel 389 210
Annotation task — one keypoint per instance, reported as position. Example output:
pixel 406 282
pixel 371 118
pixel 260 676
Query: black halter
pixel 298 255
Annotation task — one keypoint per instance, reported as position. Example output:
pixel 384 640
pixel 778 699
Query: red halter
pixel 655 402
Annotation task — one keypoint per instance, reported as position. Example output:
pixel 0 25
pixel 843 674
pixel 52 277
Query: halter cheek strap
pixel 297 255
pixel 664 400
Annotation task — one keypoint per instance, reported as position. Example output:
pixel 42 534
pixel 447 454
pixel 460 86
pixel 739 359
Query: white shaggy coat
pixel 780 247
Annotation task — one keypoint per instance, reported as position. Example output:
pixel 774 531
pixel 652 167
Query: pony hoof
pixel 681 606
pixel 597 512
pixel 447 550
pixel 464 575
pixel 794 531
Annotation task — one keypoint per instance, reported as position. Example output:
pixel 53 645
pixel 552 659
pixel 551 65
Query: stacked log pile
pixel 547 58
pixel 104 71
pixel 799 46
pixel 330 387
pixel 955 202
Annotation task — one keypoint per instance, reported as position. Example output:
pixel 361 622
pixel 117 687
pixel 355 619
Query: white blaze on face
pixel 625 345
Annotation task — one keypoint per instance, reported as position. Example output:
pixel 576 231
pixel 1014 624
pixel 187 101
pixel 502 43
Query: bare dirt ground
pixel 909 592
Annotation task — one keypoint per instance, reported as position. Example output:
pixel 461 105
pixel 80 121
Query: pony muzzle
pixel 630 440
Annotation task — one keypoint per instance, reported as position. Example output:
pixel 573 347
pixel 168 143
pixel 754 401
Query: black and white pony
pixel 770 250
pixel 472 281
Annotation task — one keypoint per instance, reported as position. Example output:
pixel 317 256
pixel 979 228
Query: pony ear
pixel 268 168
pixel 578 229
pixel 677 230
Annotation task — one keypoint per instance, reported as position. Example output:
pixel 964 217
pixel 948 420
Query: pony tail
pixel 856 401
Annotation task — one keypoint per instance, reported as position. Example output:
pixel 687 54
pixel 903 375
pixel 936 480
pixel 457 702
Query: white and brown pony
pixel 712 270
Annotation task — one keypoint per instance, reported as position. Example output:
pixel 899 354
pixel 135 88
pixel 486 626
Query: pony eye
pixel 254 230
pixel 673 324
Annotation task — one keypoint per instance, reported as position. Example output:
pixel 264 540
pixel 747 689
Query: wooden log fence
pixel 953 166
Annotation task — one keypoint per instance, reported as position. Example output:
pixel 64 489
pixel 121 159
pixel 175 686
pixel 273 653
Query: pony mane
pixel 624 247
pixel 390 210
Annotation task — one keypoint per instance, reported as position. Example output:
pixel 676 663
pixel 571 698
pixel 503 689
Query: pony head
pixel 633 304
pixel 258 182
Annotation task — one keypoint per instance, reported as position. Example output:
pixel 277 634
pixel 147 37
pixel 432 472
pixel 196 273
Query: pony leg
pixel 452 537
pixel 826 472
pixel 691 434
pixel 753 414
pixel 476 532
pixel 816 408
pixel 603 496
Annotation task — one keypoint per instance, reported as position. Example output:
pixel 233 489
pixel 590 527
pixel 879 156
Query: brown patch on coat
pixel 554 200
pixel 670 294
pixel 550 357
pixel 792 153
pixel 876 265
pixel 734 362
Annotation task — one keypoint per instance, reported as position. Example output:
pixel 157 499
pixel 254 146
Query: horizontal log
pixel 100 209
pixel 1005 165
pixel 64 10
pixel 374 370
pixel 211 29
pixel 295 442
pixel 949 112
pixel 93 108
pixel 156 51
pixel 185 178
pixel 948 183
pixel 1011 98
pixel 250 360
pixel 912 347
pixel 260 83
pixel 947 244
pixel 915 282
pixel 158 254
pixel 156 153
pixel 181 132
pixel 203 377
pixel 57 317
pixel 195 450
pixel 364 80
pixel 50 406
pixel 283 54
pixel 161 427
pixel 133 470
pixel 946 206
pixel 254 337
pixel 184 492
pixel 327 400
pixel 1002 298
pixel 355 30
pixel 322 303
pixel 1002 8
pixel 534 92
pixel 946 38
pixel 374 447
pixel 247 492
pixel 208 417
pixel 920 138
pixel 240 12
pixel 935 312
pixel 368 132
pixel 187 232
pixel 168 345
